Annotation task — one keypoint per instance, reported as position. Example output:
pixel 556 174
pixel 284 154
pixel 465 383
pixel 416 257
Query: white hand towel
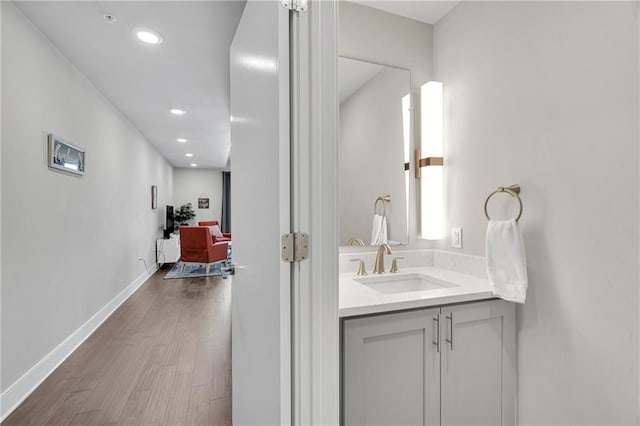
pixel 506 262
pixel 379 230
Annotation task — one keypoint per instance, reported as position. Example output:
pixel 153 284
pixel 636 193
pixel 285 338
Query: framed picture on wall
pixel 154 197
pixel 203 203
pixel 64 156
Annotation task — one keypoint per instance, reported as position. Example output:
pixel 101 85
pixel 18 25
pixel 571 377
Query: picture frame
pixel 64 156
pixel 203 203
pixel 154 197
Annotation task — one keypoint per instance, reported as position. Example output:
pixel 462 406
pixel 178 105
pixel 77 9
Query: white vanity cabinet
pixel 452 365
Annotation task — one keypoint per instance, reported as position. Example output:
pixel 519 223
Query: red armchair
pixel 197 247
pixel 226 236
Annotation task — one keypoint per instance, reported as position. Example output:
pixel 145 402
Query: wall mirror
pixel 375 133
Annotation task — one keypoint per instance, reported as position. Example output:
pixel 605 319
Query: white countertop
pixel 359 299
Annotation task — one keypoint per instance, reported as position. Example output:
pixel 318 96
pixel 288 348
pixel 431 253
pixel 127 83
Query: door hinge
pixel 295 247
pixel 295 5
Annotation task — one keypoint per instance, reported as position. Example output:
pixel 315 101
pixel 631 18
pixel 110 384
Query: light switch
pixel 456 237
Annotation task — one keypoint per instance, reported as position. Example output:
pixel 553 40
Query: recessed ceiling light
pixel 178 111
pixel 181 140
pixel 148 36
pixel 188 154
pixel 194 165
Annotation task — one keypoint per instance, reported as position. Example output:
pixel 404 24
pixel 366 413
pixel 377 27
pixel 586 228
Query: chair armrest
pixel 226 234
pixel 218 252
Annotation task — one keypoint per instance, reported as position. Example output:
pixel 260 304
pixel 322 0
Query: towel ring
pixel 384 199
pixel 512 190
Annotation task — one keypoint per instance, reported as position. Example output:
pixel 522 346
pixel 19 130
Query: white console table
pixel 168 251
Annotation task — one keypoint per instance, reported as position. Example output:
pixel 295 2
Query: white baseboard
pixel 11 398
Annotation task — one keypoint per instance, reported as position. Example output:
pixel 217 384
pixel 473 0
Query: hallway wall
pixel 191 184
pixel 70 244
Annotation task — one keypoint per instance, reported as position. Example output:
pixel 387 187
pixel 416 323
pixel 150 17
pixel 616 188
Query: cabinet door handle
pixel 436 321
pixel 450 339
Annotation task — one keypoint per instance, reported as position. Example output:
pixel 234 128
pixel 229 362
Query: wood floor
pixel 163 358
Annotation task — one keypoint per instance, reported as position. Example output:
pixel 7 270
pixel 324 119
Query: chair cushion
pixel 215 231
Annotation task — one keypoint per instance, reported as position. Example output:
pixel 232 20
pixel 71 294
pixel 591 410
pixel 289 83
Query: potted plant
pixel 183 215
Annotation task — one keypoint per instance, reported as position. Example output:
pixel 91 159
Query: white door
pixel 261 345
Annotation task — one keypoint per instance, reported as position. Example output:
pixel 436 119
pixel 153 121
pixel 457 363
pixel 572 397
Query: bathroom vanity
pixel 426 346
pixel 429 344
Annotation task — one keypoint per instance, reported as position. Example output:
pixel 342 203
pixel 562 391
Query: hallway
pixel 164 357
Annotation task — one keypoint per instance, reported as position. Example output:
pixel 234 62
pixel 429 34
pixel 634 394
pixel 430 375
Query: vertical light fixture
pixel 429 161
pixel 406 126
pixel 406 136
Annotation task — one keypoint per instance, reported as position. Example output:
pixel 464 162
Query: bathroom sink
pixel 402 283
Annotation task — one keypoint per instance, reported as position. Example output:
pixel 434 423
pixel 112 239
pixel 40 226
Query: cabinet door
pixel 392 369
pixel 478 364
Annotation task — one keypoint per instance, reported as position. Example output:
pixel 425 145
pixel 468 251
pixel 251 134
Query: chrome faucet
pixel 383 249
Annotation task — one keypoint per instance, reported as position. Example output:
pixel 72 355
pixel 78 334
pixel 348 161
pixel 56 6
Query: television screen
pixel 168 222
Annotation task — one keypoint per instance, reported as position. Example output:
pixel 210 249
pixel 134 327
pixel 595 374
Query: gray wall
pixel 191 184
pixel 546 95
pixel 69 244
pixel 372 156
pixel 371 35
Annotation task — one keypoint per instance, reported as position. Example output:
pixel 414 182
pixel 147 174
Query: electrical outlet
pixel 456 237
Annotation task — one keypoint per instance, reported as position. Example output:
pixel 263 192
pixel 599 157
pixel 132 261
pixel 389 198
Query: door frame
pixel 314 190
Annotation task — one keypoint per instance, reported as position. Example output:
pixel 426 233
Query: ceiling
pixel 189 70
pixel 426 11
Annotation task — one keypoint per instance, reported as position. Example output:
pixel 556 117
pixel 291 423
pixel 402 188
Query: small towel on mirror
pixel 506 262
pixel 379 230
